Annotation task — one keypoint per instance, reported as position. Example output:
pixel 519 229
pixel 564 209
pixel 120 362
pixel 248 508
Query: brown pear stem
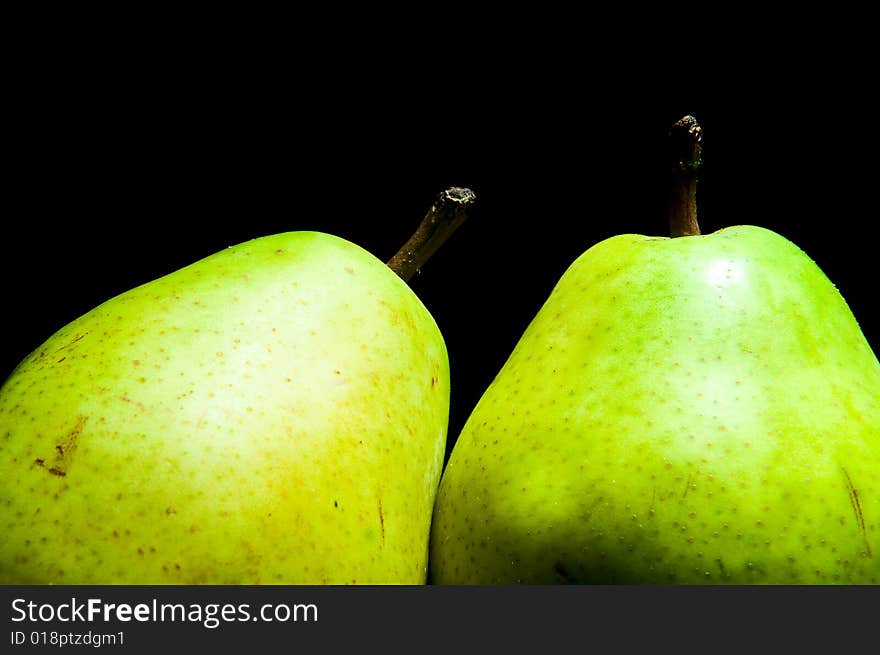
pixel 686 138
pixel 449 211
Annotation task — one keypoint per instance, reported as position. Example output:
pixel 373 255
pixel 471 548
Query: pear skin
pixel 703 409
pixel 274 413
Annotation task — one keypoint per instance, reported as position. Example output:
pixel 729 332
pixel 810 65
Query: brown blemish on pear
pixel 60 461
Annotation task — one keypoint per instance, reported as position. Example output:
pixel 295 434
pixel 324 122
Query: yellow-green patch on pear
pixel 703 409
pixel 274 413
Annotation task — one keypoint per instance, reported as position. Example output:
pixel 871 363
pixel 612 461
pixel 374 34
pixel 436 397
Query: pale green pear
pixel 700 409
pixel 274 413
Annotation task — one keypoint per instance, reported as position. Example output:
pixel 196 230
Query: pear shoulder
pixel 701 259
pixel 306 262
pixel 753 234
pixel 266 276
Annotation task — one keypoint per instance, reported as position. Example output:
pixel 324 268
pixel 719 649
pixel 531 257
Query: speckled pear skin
pixel 274 413
pixel 702 409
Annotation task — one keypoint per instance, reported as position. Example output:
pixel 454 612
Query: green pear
pixel 699 409
pixel 274 413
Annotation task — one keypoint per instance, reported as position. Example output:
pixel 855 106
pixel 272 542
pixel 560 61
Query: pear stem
pixel 686 138
pixel 449 211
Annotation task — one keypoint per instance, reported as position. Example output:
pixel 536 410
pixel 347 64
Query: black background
pixel 133 165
